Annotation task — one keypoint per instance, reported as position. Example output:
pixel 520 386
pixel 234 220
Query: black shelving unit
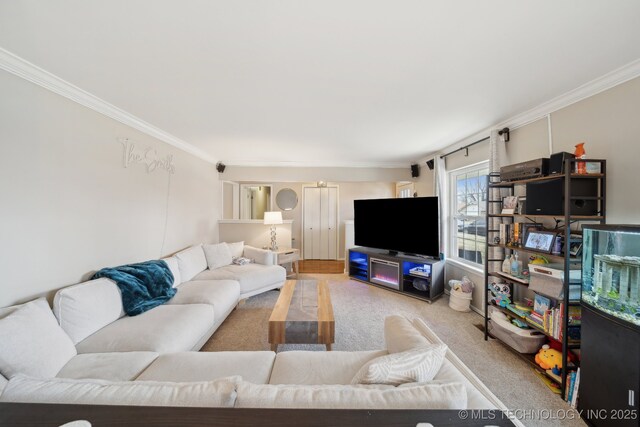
pixel 493 265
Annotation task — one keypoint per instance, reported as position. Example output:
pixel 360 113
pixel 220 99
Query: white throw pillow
pixel 191 261
pixel 87 307
pixel 219 393
pixel 217 255
pixel 32 343
pixel 259 256
pixel 400 335
pixel 236 248
pixel 420 364
pixel 172 263
pixel 425 396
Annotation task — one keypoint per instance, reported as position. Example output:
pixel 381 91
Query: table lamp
pixel 272 219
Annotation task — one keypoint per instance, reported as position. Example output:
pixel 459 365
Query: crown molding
pixel 614 78
pixel 30 72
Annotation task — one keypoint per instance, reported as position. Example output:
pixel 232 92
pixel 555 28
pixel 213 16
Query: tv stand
pixel 414 276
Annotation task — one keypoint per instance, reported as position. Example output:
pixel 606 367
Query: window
pixel 467 225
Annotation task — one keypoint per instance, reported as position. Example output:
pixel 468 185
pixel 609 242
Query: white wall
pixel 69 206
pixel 254 233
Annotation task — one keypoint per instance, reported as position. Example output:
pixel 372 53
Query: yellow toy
pixel 549 358
pixel 539 259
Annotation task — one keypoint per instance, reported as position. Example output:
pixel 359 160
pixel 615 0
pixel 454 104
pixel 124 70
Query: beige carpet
pixel 359 310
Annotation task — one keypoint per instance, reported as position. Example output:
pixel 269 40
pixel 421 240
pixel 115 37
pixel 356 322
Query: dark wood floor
pixel 321 266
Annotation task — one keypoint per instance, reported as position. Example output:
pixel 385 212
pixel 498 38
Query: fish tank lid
pixel 631 228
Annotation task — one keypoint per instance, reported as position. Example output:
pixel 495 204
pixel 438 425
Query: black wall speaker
pixel 547 197
pixel 430 164
pixel 415 171
pixel 556 162
pixel 220 167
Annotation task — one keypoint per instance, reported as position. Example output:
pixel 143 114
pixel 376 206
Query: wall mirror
pixel 255 200
pixel 287 199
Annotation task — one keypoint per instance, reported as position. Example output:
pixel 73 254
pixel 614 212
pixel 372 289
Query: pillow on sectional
pixel 217 255
pixel 172 263
pixel 259 256
pixel 87 307
pixel 236 248
pixel 400 335
pixel 420 364
pixel 219 393
pixel 33 343
pixel 424 396
pixel 191 261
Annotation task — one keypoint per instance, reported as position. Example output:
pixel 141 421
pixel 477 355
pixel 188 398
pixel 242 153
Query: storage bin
pixel 548 279
pixel 459 301
pixel 521 340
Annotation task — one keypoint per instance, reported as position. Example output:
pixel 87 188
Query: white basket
pixel 459 301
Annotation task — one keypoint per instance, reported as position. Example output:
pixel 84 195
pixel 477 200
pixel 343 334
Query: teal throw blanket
pixel 143 286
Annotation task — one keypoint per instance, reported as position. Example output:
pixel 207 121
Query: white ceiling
pixel 323 83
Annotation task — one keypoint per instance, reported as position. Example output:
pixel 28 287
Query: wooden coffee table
pixel 303 315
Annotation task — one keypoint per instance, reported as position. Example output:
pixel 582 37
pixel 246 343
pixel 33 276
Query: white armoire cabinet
pixel 320 222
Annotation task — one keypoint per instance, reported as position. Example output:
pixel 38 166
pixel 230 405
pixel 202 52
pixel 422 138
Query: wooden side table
pixel 289 256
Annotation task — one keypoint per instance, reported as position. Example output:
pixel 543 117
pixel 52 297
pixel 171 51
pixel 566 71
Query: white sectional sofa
pixel 86 351
pixel 43 366
pixel 208 287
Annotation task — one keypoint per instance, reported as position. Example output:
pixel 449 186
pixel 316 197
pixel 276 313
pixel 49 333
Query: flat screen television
pixel 408 225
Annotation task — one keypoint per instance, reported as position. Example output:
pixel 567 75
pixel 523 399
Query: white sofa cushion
pixel 165 329
pixel 420 364
pixel 338 367
pixel 218 255
pixel 236 249
pixel 252 366
pixel 400 335
pixel 250 276
pixel 87 307
pixel 427 396
pixel 219 393
pixel 259 256
pixel 124 366
pixel 172 263
pixel 223 295
pixel 191 261
pixel 32 342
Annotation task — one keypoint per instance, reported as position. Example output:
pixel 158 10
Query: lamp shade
pixel 271 218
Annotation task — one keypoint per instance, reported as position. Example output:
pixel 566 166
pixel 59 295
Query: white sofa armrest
pixel 259 256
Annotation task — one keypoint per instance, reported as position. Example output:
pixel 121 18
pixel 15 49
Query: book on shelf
pixel 576 388
pixel 541 304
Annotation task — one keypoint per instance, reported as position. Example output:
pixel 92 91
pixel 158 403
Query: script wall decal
pixel 147 156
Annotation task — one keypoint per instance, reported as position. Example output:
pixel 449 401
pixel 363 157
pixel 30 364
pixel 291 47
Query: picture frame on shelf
pixel 528 228
pixel 540 241
pixel 509 205
pixel 575 245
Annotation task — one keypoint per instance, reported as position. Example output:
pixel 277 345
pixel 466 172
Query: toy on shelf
pixel 500 293
pixel 538 260
pixel 549 358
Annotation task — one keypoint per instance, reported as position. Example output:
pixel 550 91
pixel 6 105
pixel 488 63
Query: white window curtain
pixel 497 158
pixel 440 184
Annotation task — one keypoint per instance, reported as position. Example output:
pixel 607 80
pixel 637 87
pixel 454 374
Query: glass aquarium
pixel 611 270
